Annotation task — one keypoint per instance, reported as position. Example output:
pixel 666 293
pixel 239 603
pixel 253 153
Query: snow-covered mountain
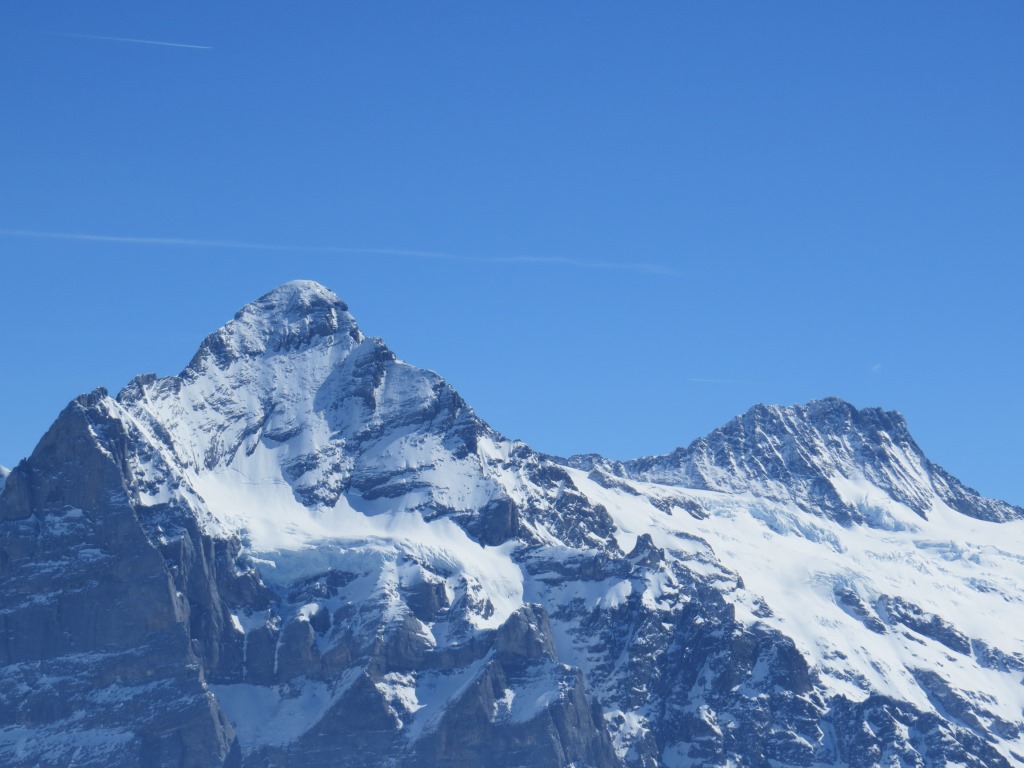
pixel 303 551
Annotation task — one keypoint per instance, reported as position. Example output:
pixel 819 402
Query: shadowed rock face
pixel 303 552
pixel 99 661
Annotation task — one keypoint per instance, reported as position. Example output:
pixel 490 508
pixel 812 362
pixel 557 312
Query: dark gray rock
pixel 95 633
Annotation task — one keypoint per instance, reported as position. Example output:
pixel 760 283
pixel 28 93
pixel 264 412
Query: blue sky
pixel 612 227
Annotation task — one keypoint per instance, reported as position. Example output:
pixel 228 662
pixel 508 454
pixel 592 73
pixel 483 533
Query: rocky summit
pixel 301 551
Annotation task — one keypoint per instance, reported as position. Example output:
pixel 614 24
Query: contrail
pixel 137 40
pixel 656 269
pixel 232 244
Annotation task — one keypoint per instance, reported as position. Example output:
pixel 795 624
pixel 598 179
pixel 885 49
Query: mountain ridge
pixel 323 554
pixel 829 422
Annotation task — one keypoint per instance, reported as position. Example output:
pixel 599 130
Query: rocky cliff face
pixel 302 551
pixel 98 664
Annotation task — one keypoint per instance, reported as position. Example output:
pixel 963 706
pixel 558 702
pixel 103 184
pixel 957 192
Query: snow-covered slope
pixel 4 472
pixel 353 569
pixel 920 610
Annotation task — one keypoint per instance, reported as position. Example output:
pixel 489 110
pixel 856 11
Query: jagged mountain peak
pixel 307 292
pixel 827 425
pixel 291 399
pixel 291 317
pixel 828 416
pixel 824 456
pixel 302 302
pixel 814 425
pixel 292 384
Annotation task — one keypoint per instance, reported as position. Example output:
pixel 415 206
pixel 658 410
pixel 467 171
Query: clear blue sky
pixel 620 224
